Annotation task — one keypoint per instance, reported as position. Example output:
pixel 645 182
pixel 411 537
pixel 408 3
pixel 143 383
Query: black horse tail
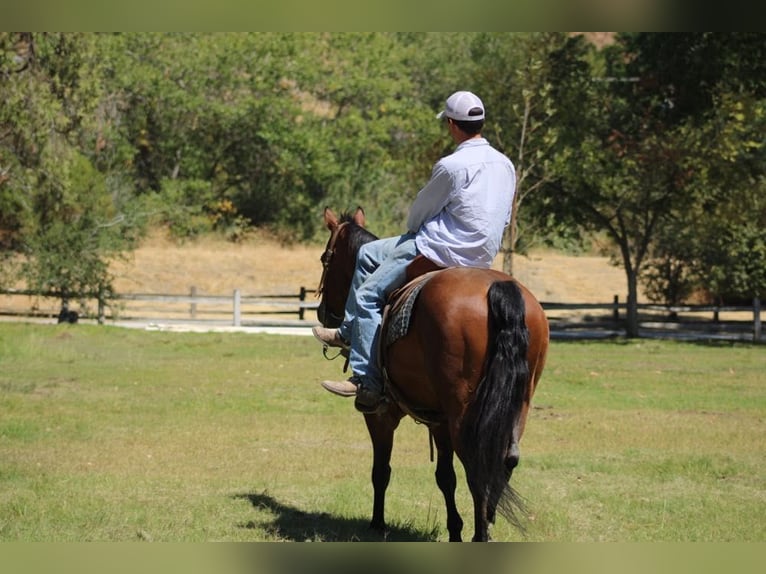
pixel 488 437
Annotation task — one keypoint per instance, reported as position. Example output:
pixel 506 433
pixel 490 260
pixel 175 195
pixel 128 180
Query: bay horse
pixel 467 368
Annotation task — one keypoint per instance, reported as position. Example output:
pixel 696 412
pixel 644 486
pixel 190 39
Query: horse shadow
pixel 293 524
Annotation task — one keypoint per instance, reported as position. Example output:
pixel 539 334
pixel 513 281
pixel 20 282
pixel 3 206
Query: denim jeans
pixel 380 269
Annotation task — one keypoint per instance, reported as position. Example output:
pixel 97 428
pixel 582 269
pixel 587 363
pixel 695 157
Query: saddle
pixel 398 309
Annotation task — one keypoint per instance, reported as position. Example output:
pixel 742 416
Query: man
pixel 457 219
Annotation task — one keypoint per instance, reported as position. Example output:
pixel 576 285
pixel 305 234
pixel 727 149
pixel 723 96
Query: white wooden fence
pixel 236 309
pixel 240 309
pixel 194 306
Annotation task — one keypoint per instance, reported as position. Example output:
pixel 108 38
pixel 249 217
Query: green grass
pixel 111 434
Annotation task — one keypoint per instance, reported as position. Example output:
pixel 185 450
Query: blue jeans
pixel 380 269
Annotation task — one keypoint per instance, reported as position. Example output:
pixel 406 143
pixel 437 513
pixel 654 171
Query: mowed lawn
pixel 110 434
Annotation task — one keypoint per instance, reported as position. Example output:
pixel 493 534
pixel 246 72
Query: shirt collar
pixel 473 142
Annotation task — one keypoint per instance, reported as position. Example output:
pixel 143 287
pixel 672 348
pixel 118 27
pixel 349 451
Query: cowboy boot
pixel 329 337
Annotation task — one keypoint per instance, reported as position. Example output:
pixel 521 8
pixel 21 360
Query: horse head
pixel 347 235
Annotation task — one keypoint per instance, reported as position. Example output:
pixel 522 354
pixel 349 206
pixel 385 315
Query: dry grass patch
pixel 261 265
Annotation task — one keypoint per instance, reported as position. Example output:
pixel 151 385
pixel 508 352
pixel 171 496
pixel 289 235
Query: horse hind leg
pixel 481 512
pixel 446 480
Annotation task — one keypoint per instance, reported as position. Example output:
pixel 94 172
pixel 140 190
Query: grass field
pixel 110 434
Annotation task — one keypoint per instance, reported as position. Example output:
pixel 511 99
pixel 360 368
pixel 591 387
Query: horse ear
pixel 359 217
pixel 330 219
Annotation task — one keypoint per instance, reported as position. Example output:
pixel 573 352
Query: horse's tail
pixel 488 433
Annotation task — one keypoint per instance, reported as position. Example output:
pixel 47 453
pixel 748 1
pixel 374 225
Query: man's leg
pixel 368 259
pixel 380 268
pixel 371 296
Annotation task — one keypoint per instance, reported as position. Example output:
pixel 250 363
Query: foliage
pixel 64 217
pixel 626 173
pixel 712 246
pixel 669 277
pixel 69 249
pixel 735 261
pixel 655 140
pixel 645 170
pixel 530 83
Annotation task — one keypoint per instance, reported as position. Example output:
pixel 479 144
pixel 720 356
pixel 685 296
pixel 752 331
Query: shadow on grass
pixel 293 524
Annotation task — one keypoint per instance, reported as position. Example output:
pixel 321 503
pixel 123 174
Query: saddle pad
pixel 398 312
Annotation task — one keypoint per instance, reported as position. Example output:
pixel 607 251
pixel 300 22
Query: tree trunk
pixel 507 251
pixel 631 325
pixel 508 247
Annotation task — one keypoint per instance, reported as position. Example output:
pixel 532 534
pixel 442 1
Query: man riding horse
pixel 456 220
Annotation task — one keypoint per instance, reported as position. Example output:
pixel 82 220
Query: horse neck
pixel 355 237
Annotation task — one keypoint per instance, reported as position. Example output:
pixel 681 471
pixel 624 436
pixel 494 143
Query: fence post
pixel 302 298
pixel 101 305
pixel 193 306
pixel 616 311
pixel 237 308
pixel 756 319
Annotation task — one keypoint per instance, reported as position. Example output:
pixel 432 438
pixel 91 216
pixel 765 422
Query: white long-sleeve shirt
pixel 460 214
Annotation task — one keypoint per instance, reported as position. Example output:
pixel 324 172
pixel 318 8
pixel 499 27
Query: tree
pixel 627 173
pixel 645 164
pixel 711 250
pixel 715 84
pixel 75 231
pixel 528 82
pixel 64 219
pixel 379 123
pixel 271 125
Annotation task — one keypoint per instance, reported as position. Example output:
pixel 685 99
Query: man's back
pixel 475 186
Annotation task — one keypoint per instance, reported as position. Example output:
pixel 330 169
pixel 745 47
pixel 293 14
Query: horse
pixel 467 368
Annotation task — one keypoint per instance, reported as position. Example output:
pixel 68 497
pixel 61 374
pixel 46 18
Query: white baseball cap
pixel 463 106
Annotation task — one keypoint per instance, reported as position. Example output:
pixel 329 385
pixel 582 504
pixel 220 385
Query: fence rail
pixel 241 310
pixel 722 321
pixel 240 305
pixel 236 308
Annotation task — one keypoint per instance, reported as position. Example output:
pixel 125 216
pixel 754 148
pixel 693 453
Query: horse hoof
pixel 378 526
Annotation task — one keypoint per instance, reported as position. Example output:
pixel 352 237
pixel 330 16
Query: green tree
pixel 529 83
pixel 380 127
pixel 627 171
pixel 730 213
pixel 236 120
pixel 657 144
pixel 63 220
pixel 75 232
pixel 715 84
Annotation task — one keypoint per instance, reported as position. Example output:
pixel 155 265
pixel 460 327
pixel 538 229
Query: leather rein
pixel 327 256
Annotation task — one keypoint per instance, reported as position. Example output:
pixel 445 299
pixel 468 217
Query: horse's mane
pixel 357 235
